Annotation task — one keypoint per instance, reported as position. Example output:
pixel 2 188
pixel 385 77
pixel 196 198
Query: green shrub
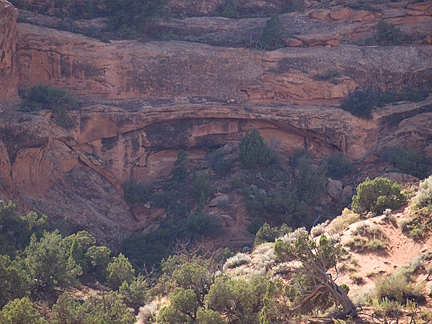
pixel 107 309
pixel 389 34
pixel 129 18
pixel 202 184
pixel 199 225
pixel 361 102
pixel 338 166
pixel 134 293
pixel 329 75
pixel 230 11
pixel 137 194
pixel 356 278
pixel 221 165
pixel 310 181
pixel 238 300
pixel 269 234
pixel 378 195
pixel 360 5
pixel 398 287
pixel 57 100
pixel 253 151
pixel 273 32
pixel 387 308
pixel 408 161
pixel 255 225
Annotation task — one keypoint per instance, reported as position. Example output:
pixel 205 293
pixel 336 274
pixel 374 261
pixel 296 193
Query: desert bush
pixel 230 11
pixel 366 237
pixel 360 5
pixel 129 18
pixel 376 245
pixel 348 217
pixel 424 197
pixel 387 308
pixel 310 181
pixel 273 32
pixel 398 287
pixel 137 194
pixel 221 165
pixel 269 234
pixel 378 195
pixel 330 76
pixel 356 278
pixel 200 225
pixel 319 229
pixel 292 236
pixel 408 161
pixel 338 166
pixel 362 102
pixel 389 34
pixel 253 151
pixel 202 184
pixel 236 261
pixel 255 225
pixel 108 309
pixel 57 100
pixel 237 300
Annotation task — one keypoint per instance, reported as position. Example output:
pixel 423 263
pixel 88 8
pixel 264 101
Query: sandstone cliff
pixel 8 55
pixel 143 101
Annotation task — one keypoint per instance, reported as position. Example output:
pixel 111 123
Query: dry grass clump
pixel 292 237
pixel 236 261
pixel 347 218
pixel 400 286
pixel 424 197
pixel 366 237
pixel 319 229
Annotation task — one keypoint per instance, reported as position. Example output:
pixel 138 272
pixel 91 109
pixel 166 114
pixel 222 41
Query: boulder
pixel 291 42
pixel 334 189
pixel 222 199
pixel 401 178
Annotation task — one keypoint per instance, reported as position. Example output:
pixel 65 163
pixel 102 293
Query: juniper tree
pixel 253 151
pixel 312 286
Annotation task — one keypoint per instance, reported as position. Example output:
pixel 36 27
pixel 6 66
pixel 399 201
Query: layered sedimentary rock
pixel 127 69
pixel 8 58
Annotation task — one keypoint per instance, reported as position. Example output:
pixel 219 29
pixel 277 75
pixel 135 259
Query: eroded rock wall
pixel 8 58
pixel 127 69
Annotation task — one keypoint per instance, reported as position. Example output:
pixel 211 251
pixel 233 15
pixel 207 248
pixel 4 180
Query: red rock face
pixel 8 60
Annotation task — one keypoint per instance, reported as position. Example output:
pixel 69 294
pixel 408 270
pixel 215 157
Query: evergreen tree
pixel 180 172
pixel 76 253
pixel 118 271
pixel 253 151
pixel 108 309
pixel 15 281
pixel 98 258
pixel 20 311
pixel 272 34
pixel 51 262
